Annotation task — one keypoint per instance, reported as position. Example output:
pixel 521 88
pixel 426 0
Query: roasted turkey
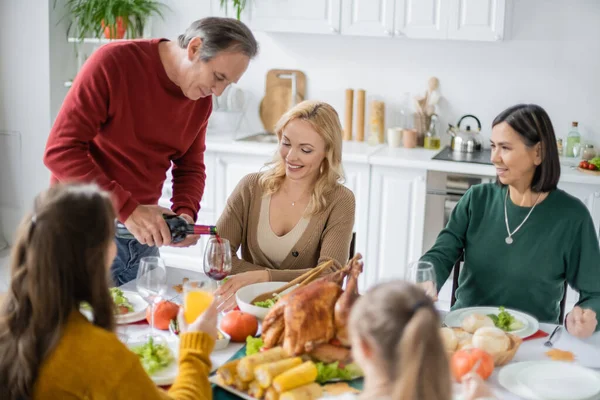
pixel 308 319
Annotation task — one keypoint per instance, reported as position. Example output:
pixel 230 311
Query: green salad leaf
pixel 505 321
pixel 253 345
pixel 153 357
pixel 119 298
pixel 331 371
pixel 267 303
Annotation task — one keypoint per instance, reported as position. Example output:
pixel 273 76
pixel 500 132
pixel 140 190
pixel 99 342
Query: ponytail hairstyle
pixel 400 323
pixel 59 260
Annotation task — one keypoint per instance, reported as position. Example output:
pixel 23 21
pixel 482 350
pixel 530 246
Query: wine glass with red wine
pixel 217 258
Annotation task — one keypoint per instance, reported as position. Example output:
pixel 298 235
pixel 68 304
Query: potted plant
pixel 113 18
pixel 238 5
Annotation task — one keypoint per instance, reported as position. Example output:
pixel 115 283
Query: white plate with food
pixel 160 361
pixel 512 321
pixel 550 380
pixel 129 307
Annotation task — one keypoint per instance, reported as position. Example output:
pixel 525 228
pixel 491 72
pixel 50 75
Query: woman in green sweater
pixel 522 237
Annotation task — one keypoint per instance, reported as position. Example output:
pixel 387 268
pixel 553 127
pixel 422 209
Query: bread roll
pixel 492 340
pixel 450 339
pixel 476 321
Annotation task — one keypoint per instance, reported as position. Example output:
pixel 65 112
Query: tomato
pixel 463 361
pixel 239 325
pixel 592 167
pixel 584 164
pixel 164 312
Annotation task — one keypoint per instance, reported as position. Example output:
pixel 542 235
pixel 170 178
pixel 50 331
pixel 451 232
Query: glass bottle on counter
pixel 178 227
pixel 572 139
pixel 432 140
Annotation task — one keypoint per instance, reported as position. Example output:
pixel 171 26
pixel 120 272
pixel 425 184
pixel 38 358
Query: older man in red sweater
pixel 138 108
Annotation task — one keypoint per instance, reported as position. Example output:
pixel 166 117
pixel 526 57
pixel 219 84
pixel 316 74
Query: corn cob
pixel 307 392
pixel 240 384
pixel 298 376
pixel 245 368
pixel 265 373
pixel 255 390
pixel 227 372
pixel 271 394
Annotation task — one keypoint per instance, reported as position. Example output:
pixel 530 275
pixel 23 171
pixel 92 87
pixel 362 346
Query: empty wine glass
pixel 422 273
pixel 217 258
pixel 151 284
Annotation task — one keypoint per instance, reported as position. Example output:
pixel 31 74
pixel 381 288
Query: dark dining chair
pixel 456 273
pixel 352 245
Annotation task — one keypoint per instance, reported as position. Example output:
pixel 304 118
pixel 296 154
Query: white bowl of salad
pixel 245 295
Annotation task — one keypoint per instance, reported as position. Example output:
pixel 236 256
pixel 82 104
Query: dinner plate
pixel 550 380
pixel 164 376
pixel 139 310
pixel 455 318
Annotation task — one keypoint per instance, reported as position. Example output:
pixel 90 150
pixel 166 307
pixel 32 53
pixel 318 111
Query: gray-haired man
pixel 138 106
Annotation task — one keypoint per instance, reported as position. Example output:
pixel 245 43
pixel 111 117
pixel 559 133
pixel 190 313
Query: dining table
pixel 586 351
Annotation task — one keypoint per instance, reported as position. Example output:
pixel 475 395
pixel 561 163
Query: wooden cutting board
pixel 278 96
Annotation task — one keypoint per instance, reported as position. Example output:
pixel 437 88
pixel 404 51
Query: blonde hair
pixel 325 121
pixel 402 324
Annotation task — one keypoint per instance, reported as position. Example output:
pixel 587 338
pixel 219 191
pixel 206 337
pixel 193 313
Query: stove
pixel 479 157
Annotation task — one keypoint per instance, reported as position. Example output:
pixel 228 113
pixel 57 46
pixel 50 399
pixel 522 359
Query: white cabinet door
pixel 357 180
pixel 424 19
pixel 476 19
pixel 589 195
pixel 230 169
pixel 396 220
pixel 307 16
pixel 368 17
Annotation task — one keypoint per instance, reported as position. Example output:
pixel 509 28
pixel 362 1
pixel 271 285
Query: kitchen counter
pixel 383 155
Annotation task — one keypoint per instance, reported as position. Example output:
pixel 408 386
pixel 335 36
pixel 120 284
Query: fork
pixel 556 330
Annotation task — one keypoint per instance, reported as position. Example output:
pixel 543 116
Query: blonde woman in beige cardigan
pixel 297 213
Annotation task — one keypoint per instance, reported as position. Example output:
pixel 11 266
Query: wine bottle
pixel 178 226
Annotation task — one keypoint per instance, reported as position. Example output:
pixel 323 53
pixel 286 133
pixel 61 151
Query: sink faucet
pixel 292 77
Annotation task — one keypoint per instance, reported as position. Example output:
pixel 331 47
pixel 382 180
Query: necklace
pixel 509 238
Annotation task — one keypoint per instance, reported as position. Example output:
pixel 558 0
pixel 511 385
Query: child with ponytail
pixel 395 333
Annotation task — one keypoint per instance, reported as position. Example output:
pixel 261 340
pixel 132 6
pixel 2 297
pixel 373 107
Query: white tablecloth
pixel 587 351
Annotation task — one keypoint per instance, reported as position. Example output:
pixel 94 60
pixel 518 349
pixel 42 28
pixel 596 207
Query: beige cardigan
pixel 327 236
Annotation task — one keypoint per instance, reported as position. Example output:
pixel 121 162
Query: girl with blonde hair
pixel 296 214
pixel 395 333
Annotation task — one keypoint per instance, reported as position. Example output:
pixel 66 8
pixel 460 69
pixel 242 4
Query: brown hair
pixel 402 326
pixel 325 121
pixel 58 261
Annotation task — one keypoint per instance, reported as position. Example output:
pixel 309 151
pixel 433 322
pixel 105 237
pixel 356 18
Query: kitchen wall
pixel 551 56
pixel 24 106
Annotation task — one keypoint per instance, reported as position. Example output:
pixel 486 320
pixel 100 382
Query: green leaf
pixel 253 345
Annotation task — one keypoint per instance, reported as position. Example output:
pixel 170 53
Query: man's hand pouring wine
pixel 148 226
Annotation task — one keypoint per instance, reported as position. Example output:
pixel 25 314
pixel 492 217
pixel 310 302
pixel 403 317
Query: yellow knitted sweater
pixel 91 363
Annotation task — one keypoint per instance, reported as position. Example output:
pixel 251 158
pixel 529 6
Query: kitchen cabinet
pixel 450 19
pixel 307 16
pixel 396 221
pixel 358 180
pixel 589 195
pixel 476 20
pixel 368 17
pixel 417 19
pixel 422 19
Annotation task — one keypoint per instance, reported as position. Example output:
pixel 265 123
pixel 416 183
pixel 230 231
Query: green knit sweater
pixel 558 242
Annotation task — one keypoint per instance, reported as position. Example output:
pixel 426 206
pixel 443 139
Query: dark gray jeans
pixel 127 261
